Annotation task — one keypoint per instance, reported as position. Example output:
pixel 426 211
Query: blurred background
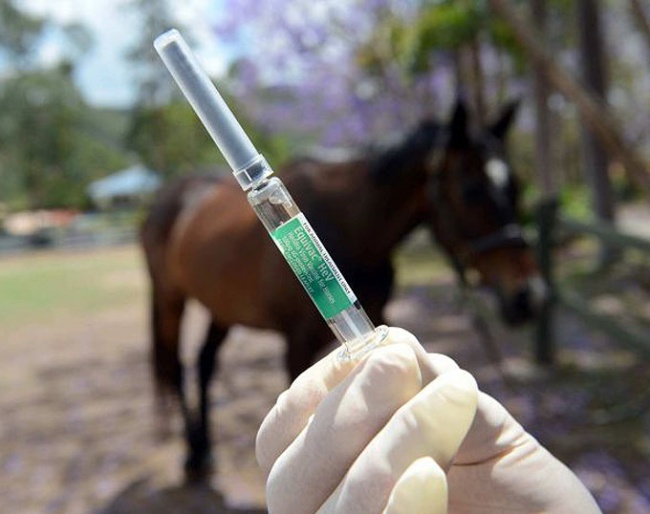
pixel 91 126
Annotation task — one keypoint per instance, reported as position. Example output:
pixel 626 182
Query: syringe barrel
pixel 313 266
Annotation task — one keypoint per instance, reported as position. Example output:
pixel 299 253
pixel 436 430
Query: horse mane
pixel 396 156
pixel 407 151
pixel 387 157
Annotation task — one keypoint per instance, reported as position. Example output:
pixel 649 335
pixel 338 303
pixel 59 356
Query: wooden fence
pixel 551 223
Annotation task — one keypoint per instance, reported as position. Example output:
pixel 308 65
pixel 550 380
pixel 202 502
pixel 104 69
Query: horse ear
pixel 458 130
pixel 500 127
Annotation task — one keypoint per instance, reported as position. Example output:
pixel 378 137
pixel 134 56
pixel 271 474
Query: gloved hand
pixel 404 431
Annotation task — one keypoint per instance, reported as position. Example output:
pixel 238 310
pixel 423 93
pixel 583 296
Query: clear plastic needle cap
pixel 248 165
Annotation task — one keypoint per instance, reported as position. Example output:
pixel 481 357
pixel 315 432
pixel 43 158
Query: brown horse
pixel 202 240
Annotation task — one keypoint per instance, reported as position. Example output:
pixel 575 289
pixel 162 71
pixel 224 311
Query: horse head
pixel 473 209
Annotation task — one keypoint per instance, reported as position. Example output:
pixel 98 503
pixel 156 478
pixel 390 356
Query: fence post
pixel 544 333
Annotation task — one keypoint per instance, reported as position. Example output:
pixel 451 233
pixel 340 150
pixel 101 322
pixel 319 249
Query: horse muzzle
pixel 525 303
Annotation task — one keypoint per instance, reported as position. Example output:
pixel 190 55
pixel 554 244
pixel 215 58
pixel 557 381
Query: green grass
pixel 55 286
pixel 45 287
pixel 419 263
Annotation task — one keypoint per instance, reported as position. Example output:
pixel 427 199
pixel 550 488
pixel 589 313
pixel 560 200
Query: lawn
pixel 44 287
pixel 52 285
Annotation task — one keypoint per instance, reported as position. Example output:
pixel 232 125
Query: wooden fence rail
pixel 550 224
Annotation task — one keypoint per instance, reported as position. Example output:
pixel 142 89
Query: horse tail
pixel 167 300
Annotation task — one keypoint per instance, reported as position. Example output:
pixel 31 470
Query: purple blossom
pixel 309 51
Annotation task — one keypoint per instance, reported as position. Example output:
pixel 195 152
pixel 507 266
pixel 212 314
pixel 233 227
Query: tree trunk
pixel 541 88
pixel 478 81
pixel 458 70
pixel 501 78
pixel 469 79
pixel 594 114
pixel 594 78
pixel 640 17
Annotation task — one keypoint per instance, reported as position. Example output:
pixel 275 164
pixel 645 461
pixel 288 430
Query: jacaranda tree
pixel 330 70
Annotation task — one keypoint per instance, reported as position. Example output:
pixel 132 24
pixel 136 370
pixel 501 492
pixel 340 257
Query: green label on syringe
pixel 313 266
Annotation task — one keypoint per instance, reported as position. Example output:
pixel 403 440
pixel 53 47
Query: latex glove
pixel 380 437
pixel 502 468
pixel 353 439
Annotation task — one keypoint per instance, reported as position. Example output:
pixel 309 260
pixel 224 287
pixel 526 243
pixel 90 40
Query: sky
pixel 104 75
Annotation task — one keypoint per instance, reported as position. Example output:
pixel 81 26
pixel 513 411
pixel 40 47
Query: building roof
pixel 132 181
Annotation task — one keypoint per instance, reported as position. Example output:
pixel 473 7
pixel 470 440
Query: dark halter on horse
pixel 508 235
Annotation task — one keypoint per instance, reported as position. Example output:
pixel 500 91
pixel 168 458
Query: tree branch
pixel 642 20
pixel 594 113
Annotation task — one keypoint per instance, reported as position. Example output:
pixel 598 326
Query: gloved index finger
pixel 313 464
pixel 432 365
pixel 295 406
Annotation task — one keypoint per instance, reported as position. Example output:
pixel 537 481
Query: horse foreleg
pixel 479 318
pixel 199 460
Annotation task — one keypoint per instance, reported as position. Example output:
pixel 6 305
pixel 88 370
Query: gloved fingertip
pixel 461 382
pixel 422 488
pixel 440 363
pixel 397 359
pixel 430 368
pixel 399 335
pixel 456 390
pixel 444 412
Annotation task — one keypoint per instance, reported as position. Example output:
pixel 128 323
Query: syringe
pixel 273 204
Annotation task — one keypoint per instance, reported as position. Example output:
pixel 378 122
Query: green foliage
pixel 79 38
pixel 163 129
pixel 152 80
pixel 440 25
pixel 575 202
pixel 448 25
pixel 51 143
pixel 386 43
pixel 48 149
pixel 170 139
pixel 18 31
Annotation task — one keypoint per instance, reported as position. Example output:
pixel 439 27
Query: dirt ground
pixel 77 432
